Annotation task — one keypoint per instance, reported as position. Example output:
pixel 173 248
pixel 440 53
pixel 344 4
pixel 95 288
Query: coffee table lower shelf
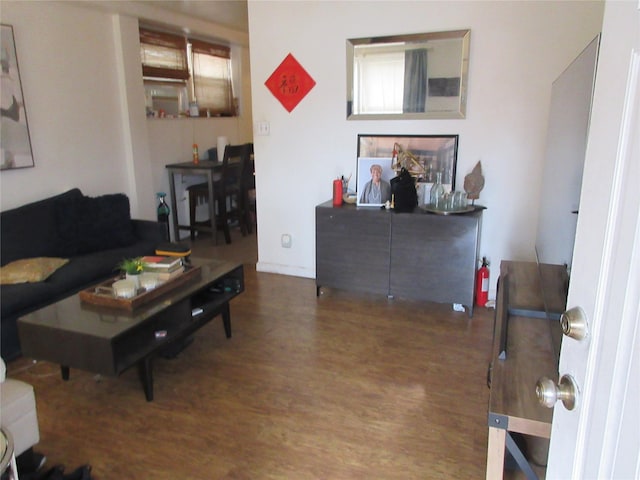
pixel 109 341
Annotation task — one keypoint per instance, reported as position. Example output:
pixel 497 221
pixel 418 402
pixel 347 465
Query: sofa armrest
pixel 150 230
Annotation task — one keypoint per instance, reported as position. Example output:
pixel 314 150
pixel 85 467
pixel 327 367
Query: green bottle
pixel 163 211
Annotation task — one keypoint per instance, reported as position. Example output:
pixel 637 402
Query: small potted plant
pixel 132 268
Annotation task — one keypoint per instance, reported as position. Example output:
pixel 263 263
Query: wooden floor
pixel 337 387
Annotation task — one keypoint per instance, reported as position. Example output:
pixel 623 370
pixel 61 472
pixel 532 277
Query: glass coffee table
pixel 107 341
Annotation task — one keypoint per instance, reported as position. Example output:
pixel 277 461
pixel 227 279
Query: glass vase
pixel 436 196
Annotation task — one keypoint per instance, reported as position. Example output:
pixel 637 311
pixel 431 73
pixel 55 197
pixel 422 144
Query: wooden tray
pixel 102 295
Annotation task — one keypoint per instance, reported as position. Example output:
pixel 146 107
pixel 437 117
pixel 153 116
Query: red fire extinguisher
pixel 482 284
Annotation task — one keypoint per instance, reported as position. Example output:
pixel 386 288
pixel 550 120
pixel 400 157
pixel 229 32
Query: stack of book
pixel 165 268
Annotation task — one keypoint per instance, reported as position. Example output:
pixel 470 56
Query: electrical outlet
pixel 285 240
pixel 263 128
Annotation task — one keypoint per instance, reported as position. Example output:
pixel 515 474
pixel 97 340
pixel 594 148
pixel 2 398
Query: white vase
pixel 134 278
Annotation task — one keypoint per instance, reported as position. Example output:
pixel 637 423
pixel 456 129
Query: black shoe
pixel 80 473
pixel 38 461
pixel 30 461
pixel 54 473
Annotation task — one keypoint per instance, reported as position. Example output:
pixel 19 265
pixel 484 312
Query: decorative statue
pixel 407 160
pixel 474 183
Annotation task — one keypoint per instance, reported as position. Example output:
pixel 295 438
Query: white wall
pixel 81 76
pixel 517 50
pixel 66 57
pixel 87 131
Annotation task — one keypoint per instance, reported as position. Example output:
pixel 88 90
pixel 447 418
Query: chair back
pixel 232 166
pixel 248 168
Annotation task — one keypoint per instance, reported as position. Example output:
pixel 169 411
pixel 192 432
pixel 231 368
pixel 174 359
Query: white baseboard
pixel 285 270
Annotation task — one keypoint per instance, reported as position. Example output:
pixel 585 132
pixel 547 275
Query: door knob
pixel 574 323
pixel 549 393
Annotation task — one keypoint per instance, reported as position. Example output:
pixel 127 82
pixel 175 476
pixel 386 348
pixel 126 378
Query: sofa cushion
pixel 31 230
pixel 30 270
pixel 91 224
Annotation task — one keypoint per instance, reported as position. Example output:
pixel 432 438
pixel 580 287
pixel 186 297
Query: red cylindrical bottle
pixel 337 193
pixel 482 284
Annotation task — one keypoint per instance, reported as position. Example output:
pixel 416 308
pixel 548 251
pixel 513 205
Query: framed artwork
pixel 372 181
pixel 424 156
pixel 15 142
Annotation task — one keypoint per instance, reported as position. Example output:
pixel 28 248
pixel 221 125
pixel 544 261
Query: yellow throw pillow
pixel 30 270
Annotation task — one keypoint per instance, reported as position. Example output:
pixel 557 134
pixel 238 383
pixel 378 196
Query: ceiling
pixel 230 13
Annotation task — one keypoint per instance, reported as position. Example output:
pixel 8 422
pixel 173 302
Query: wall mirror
pixel 414 76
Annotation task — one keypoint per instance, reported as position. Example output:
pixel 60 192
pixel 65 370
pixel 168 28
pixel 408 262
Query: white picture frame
pixel 363 177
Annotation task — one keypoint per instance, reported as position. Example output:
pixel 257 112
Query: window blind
pixel 163 55
pixel 212 77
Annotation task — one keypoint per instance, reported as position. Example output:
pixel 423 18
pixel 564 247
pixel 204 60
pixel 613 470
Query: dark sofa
pixel 94 233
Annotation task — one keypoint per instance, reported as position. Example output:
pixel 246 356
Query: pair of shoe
pixel 57 473
pixel 29 463
pixel 38 461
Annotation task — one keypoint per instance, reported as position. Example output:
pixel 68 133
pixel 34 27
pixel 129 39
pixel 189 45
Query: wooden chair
pixel 227 190
pixel 248 188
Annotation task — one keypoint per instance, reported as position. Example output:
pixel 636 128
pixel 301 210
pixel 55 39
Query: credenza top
pixel 418 210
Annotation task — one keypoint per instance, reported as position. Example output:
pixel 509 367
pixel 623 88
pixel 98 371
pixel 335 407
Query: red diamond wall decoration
pixel 290 83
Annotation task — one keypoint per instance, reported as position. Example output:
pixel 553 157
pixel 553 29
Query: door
pixel 599 438
pixel 352 248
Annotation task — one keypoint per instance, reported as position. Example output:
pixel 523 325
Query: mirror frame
pixel 460 112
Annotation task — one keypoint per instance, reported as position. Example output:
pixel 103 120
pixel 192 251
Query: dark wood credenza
pixel 418 255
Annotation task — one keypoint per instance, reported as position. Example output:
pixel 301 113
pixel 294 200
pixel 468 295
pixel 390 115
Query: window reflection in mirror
pixel 408 76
